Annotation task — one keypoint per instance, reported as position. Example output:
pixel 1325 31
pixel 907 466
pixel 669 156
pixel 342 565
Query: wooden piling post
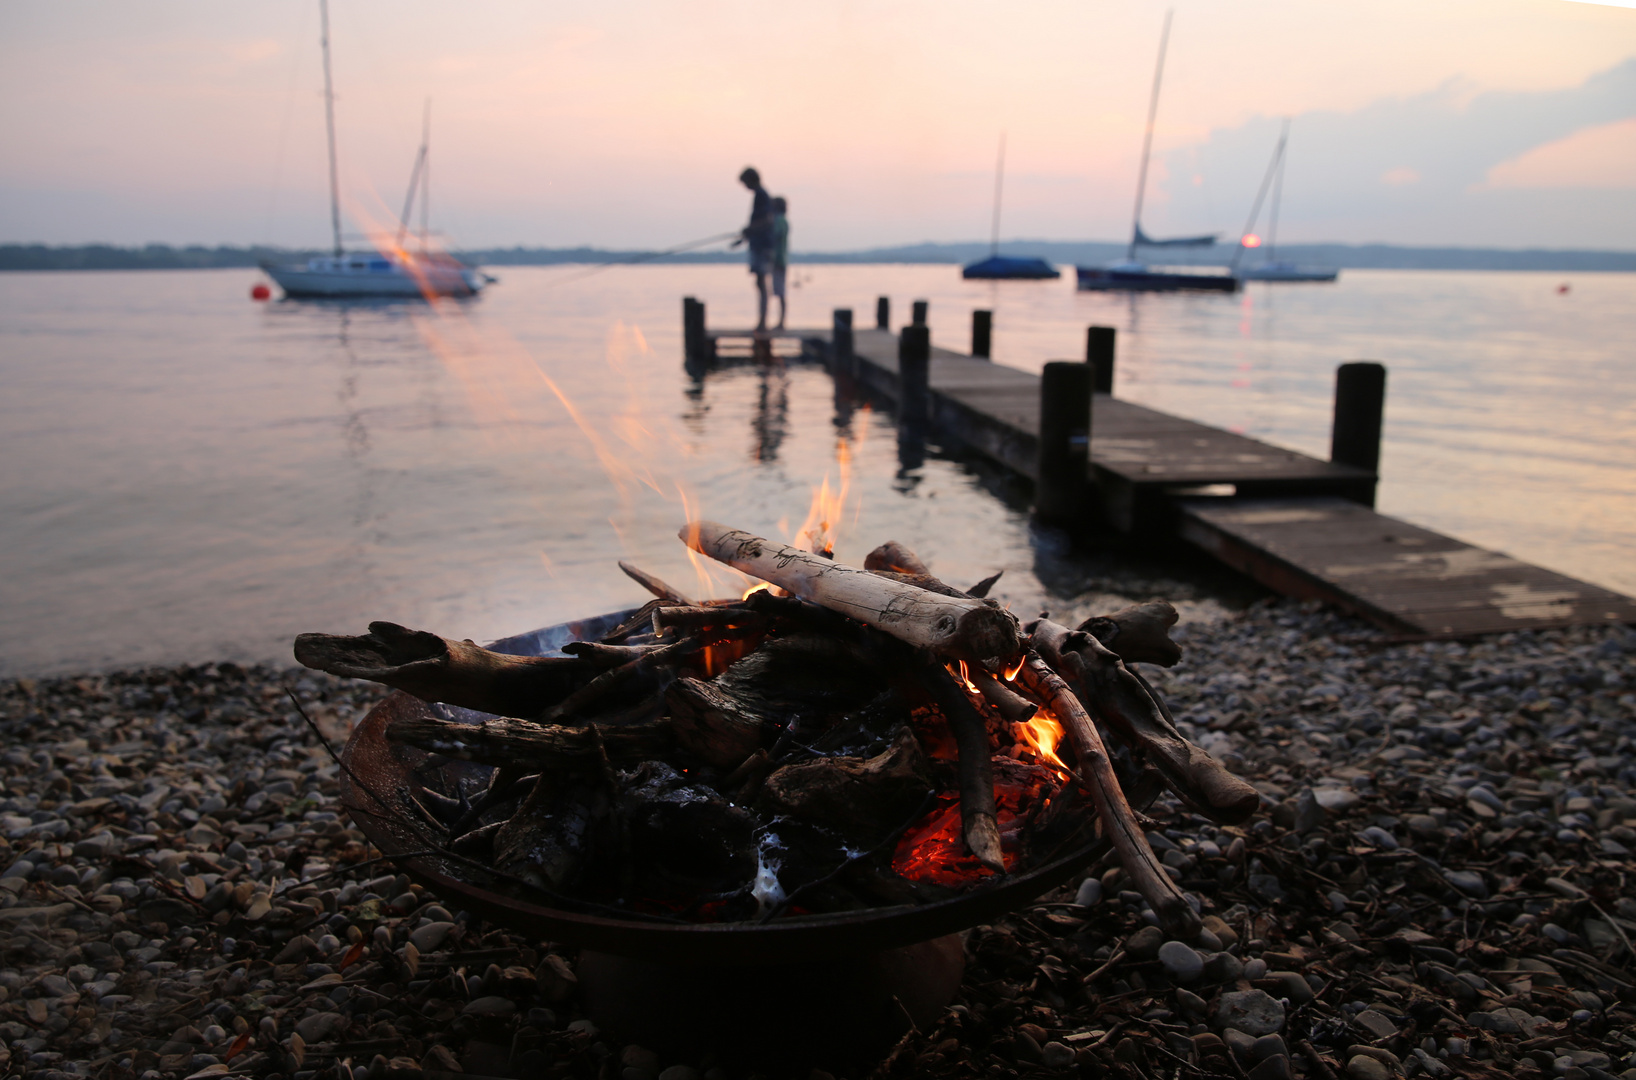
pixel 982 333
pixel 914 371
pixel 919 318
pixel 842 357
pixel 1099 354
pixel 1062 490
pixel 883 313
pixel 690 328
pixel 1360 404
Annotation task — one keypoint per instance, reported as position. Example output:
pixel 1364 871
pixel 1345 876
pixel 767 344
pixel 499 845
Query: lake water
pixel 192 476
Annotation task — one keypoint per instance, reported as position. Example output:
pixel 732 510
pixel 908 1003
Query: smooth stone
pixel 1254 1012
pixel 1223 967
pixel 1293 985
pixel 1363 1067
pixel 1467 881
pixel 1209 942
pixel 427 938
pixel 680 1072
pixel 1377 1024
pixel 1089 894
pixel 1182 961
pixel 318 1027
pixel 1190 1003
pixel 1379 837
pixel 1239 1043
pixel 1255 969
pixel 1145 943
pixel 1053 1055
pixel 490 1006
pixel 1266 1046
pixel 1272 1068
pixel 1336 800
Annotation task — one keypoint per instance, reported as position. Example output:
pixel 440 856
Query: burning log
pixel 1139 634
pixel 718 726
pixel 957 627
pixel 608 656
pixel 437 669
pixel 1012 707
pixel 698 618
pixel 637 673
pixel 978 817
pixel 1125 701
pixel 1118 821
pixel 655 585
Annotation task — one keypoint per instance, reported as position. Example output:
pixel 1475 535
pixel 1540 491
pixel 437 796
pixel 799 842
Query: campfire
pixel 840 739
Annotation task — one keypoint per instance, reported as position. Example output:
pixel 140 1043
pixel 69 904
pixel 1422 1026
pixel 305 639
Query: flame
pixel 964 674
pixel 934 849
pixel 817 532
pixel 1010 673
pixel 1042 734
pixel 759 586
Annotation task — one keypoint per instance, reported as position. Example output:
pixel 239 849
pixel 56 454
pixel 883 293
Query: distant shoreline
pixel 43 257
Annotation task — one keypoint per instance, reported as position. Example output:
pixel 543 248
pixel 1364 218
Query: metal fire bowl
pixel 382 811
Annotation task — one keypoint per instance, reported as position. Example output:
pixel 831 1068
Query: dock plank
pixel 1389 570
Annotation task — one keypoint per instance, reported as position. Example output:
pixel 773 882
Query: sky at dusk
pixel 623 123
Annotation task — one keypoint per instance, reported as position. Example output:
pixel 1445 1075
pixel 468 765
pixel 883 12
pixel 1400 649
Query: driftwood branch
pixel 978 819
pixel 438 669
pixel 951 626
pixel 895 558
pixel 655 585
pixel 694 618
pixel 981 589
pixel 1139 634
pixel 614 680
pixel 1118 821
pixel 607 656
pixel 1123 700
pixel 862 795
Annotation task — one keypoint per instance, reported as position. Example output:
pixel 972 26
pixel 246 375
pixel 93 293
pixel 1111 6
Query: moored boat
pixel 1288 271
pixel 391 272
pixel 1010 267
pixel 1274 269
pixel 1131 275
pixel 1135 276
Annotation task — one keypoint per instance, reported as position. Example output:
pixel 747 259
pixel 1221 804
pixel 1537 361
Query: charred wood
pixel 1119 824
pixel 519 743
pixel 978 819
pixel 1139 634
pixel 1126 703
pixel 438 669
pixel 860 796
pixel 655 585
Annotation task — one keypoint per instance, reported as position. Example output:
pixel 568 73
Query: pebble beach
pixel 1439 885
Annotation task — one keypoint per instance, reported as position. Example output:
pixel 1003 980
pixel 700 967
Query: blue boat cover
pixel 1006 266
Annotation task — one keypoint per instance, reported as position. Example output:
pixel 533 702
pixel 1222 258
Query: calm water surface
pixel 191 476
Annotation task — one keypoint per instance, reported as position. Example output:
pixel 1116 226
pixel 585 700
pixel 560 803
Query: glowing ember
pixel 935 850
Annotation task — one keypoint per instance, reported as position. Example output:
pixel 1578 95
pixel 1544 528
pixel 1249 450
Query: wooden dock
pixel 1297 524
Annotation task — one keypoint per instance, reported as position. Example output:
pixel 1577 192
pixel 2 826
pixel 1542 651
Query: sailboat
pixel 1131 275
pixel 1006 267
pixel 395 272
pixel 1272 269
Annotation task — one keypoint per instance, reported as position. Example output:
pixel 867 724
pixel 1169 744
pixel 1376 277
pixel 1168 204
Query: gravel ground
pixel 1439 886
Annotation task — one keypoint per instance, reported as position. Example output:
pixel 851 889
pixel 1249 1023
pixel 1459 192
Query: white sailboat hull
pixel 360 278
pixel 1279 271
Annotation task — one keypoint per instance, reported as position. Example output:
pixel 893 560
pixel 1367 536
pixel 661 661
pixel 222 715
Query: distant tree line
pixel 1346 256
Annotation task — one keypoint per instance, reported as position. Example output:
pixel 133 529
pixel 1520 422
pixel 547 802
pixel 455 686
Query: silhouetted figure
pixel 781 254
pixel 758 234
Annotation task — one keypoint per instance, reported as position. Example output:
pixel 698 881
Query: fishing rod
pixel 647 256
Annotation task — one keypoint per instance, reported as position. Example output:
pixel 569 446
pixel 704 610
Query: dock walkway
pixel 1299 525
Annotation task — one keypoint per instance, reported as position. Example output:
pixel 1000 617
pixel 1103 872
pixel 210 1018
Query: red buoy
pixel 260 291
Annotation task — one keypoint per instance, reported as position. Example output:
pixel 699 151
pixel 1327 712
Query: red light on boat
pixel 1251 240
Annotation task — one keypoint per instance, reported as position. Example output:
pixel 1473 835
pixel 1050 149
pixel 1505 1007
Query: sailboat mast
pixel 999 177
pixel 329 124
pixel 425 174
pixel 1277 197
pixel 415 181
pixel 1275 168
pixel 1147 137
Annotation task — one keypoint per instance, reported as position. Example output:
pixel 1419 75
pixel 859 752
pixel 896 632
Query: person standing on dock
pixel 781 254
pixel 758 234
